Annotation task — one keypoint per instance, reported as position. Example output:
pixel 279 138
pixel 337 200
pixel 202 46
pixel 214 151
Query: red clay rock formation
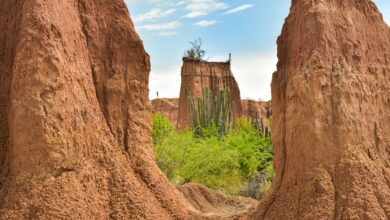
pixel 331 114
pixel 167 107
pixel 260 109
pixel 75 134
pixel 75 119
pixel 196 75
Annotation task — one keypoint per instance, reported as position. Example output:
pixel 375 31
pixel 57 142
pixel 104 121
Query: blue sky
pixel 246 28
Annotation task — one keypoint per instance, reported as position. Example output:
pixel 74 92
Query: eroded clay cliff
pixel 75 128
pixel 257 110
pixel 331 114
pixel 75 119
pixel 196 75
pixel 167 107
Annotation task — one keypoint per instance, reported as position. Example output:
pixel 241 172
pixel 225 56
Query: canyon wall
pixel 331 114
pixel 196 75
pixel 167 107
pixel 75 125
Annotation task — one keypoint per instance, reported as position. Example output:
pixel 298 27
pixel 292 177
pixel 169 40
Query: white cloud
pixel 253 73
pixel 198 8
pixel 168 34
pixel 180 3
pixel 161 26
pixel 205 23
pixel 154 14
pixel 239 9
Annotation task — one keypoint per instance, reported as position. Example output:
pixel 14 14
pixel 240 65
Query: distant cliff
pixel 257 109
pixel 167 107
pixel 196 75
pixel 250 108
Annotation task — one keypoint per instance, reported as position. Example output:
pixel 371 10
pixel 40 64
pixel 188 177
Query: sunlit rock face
pixel 331 114
pixel 75 139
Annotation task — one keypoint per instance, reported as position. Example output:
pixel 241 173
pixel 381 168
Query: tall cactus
pixel 213 108
pixel 259 125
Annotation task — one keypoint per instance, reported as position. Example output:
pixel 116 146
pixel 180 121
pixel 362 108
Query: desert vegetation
pixel 219 150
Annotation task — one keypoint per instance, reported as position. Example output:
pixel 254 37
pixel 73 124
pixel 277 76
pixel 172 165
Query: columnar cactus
pixel 212 109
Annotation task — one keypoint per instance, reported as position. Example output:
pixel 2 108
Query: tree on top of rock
pixel 196 52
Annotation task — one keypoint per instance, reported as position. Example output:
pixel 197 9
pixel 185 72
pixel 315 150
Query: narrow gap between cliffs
pixel 209 142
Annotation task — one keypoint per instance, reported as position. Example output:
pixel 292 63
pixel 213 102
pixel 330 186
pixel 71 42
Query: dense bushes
pixel 227 163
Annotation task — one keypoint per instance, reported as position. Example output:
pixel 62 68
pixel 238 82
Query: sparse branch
pixel 196 52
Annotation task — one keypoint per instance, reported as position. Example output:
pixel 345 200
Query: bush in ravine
pixel 227 163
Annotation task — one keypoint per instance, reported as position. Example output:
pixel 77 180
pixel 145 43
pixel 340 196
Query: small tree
pixel 196 52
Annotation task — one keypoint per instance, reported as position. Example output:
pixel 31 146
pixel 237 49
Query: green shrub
pixel 226 163
pixel 162 126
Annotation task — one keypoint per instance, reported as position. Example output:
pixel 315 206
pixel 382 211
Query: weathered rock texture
pixel 167 107
pixel 75 140
pixel 331 114
pixel 257 109
pixel 75 119
pixel 196 75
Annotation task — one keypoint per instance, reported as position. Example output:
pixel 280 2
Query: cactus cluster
pixel 213 108
pixel 259 125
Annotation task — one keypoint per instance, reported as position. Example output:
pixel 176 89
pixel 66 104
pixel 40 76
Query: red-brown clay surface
pixel 331 114
pixel 251 108
pixel 167 107
pixel 196 75
pixel 75 125
pixel 75 120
